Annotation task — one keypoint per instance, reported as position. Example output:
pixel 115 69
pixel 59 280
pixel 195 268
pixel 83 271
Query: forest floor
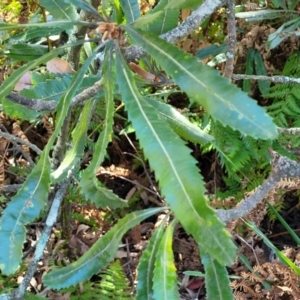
pixel 128 175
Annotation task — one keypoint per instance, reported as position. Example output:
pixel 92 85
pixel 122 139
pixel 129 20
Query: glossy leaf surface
pixel 60 10
pixel 56 24
pixel 180 124
pixel 222 100
pixel 29 201
pixel 165 13
pixel 79 139
pixel 175 170
pixel 131 9
pixel 146 266
pixel 165 277
pixel 91 188
pixel 23 209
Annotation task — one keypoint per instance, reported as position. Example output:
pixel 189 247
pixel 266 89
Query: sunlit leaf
pixel 175 170
pixel 25 52
pixel 204 85
pixel 164 276
pixel 164 14
pixel 60 10
pixel 57 24
pixel 131 9
pixel 146 265
pixel 180 124
pixel 82 4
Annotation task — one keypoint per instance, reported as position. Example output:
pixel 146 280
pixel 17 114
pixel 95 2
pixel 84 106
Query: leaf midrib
pixel 187 197
pixel 160 50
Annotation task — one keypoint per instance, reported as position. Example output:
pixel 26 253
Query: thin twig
pixel 11 188
pixel 15 139
pixel 275 79
pixel 250 246
pixel 133 182
pixel 132 53
pixel 291 131
pixel 231 39
pixel 189 25
pixel 282 167
pixel 42 105
pixel 144 167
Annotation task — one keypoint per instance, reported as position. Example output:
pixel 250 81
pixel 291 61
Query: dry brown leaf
pixel 24 82
pixel 58 65
pixel 17 131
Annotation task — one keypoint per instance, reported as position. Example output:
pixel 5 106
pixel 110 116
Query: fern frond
pixel 114 284
pixel 285 108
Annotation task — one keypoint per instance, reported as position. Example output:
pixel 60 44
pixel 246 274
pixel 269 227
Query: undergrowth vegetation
pixel 117 64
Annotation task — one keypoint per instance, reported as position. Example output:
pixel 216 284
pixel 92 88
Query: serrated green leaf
pixel 62 110
pixel 57 24
pixel 180 124
pixel 60 10
pixel 91 188
pixel 50 89
pixel 65 101
pixel 260 69
pixel 97 193
pixel 131 9
pixel 211 51
pixel 181 4
pixel 26 52
pixel 78 143
pixel 18 111
pixel 164 277
pixel 23 209
pixel 165 19
pixel 37 32
pixel 175 170
pixel 223 100
pixel 82 4
pixel 29 201
pixel 99 255
pixel 54 88
pixel 216 279
pixel 146 265
pixel 8 85
pixel 164 14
